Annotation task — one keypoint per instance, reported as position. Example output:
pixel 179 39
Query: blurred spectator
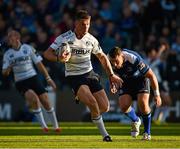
pixel 152 17
pixel 42 41
pixel 176 45
pixel 128 26
pixel 169 10
pixel 105 11
pixel 154 59
pixel 108 40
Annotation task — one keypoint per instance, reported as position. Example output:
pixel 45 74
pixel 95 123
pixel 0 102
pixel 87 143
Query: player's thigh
pixel 84 94
pixel 143 102
pixel 125 101
pixel 44 99
pixel 102 100
pixel 31 97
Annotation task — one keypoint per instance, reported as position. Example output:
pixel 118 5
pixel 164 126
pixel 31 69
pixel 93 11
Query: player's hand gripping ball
pixel 64 52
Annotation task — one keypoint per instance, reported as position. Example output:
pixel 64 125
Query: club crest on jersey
pixel 11 56
pixel 25 51
pixel 88 43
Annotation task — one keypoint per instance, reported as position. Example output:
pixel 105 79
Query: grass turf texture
pixel 85 135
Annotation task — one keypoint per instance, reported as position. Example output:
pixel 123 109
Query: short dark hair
pixel 114 52
pixel 14 33
pixel 82 14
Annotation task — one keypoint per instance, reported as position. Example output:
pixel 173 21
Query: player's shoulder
pixel 131 53
pixel 90 36
pixel 25 45
pixel 65 35
pixel 8 52
pixel 27 48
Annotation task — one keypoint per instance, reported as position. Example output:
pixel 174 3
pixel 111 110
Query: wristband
pixel 156 93
pixel 111 74
pixel 48 78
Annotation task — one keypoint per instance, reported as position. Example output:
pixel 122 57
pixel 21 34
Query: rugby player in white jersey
pixel 78 68
pixel 19 59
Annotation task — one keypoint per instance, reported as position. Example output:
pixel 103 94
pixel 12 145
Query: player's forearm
pixel 154 82
pixel 43 70
pixel 106 65
pixel 49 55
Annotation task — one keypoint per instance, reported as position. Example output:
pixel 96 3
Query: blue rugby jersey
pixel 133 66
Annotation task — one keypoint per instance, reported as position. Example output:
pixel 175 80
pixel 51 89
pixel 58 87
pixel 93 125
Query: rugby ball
pixel 64 47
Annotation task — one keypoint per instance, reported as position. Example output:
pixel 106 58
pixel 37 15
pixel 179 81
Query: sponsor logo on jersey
pixel 20 59
pixel 66 34
pixel 81 51
pixel 141 65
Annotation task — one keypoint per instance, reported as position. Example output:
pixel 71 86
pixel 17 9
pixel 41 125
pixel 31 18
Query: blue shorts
pixel 133 87
pixel 91 79
pixel 33 83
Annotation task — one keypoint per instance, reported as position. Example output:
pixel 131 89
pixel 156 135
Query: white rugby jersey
pixel 21 61
pixel 81 49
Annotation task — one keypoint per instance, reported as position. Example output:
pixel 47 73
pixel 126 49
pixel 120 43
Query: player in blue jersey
pixel 20 58
pixel 137 77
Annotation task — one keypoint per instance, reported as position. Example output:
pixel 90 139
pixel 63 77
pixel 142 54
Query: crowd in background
pixel 134 24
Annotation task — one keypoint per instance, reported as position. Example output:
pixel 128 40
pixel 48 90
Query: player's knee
pixel 105 108
pixel 31 96
pixel 145 109
pixel 92 103
pixel 124 109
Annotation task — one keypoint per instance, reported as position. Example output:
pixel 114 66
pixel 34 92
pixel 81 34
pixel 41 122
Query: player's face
pixel 117 61
pixel 13 40
pixel 82 26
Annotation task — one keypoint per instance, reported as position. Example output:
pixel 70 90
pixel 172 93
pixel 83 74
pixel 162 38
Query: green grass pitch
pixel 85 135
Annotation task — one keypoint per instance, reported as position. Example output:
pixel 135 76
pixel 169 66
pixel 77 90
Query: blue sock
pixel 147 123
pixel 132 115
